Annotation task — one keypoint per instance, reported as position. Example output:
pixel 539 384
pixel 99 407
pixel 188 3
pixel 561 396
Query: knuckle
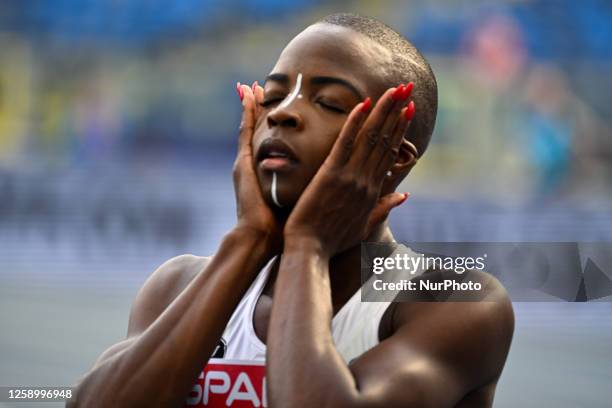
pixel 236 174
pixel 386 141
pixel 371 192
pixel 245 127
pixel 362 187
pixel 346 180
pixel 372 137
pixel 238 164
pixel 329 176
pixel 348 143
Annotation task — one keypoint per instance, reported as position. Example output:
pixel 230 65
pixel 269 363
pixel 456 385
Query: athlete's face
pixel 318 79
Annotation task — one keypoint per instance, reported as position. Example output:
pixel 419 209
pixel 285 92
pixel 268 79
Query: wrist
pixel 247 232
pixel 304 244
pixel 261 241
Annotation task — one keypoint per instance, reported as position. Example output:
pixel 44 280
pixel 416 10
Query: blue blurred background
pixel 118 129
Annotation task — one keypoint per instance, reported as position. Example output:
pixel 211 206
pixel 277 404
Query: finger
pixel 388 141
pixel 399 134
pixel 383 208
pixel 258 92
pixel 247 122
pixel 343 146
pixel 370 132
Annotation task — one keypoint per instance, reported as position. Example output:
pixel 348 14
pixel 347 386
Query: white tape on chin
pixel 273 191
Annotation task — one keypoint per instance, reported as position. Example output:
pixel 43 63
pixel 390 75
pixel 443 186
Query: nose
pixel 285 116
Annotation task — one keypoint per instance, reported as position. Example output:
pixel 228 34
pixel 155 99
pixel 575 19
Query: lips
pixel 274 154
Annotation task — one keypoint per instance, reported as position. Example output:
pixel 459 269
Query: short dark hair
pixel 408 65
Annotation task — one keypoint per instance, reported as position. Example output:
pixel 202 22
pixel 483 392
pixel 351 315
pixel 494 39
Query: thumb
pixel 383 207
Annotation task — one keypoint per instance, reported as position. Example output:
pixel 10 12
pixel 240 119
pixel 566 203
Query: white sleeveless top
pixel 236 373
pixel 354 328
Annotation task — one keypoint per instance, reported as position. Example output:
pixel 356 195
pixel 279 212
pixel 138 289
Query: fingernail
pixel 239 90
pixel 410 110
pixel 398 93
pixel 367 104
pixel 403 200
pixel 408 90
pixel 254 86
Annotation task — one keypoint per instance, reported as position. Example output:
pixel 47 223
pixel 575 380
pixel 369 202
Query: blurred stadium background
pixel 117 134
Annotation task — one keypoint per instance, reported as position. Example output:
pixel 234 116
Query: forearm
pixel 303 363
pixel 161 365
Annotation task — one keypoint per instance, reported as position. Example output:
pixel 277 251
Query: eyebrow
pixel 319 80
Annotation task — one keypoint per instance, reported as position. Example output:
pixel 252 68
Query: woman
pixel 342 118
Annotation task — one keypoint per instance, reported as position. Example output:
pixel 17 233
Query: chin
pixel 287 204
pixel 286 195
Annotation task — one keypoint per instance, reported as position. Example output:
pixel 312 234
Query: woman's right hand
pixel 254 214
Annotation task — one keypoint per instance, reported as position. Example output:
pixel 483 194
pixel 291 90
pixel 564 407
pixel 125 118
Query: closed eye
pixel 274 101
pixel 331 107
pixel 270 102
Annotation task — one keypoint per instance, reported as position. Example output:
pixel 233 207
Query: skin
pixel 430 354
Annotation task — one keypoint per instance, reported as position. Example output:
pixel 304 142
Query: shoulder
pixel 162 287
pixel 472 332
pixel 158 291
pixel 175 273
pixel 440 351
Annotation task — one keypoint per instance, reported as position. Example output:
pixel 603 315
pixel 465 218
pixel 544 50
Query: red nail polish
pixel 403 200
pixel 408 90
pixel 405 93
pixel 410 110
pixel 239 90
pixel 397 94
pixel 367 104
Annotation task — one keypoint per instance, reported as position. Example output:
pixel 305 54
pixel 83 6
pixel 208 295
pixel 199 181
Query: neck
pixel 345 268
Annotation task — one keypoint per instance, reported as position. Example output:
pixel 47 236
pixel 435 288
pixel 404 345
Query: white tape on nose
pixel 294 94
pixel 273 191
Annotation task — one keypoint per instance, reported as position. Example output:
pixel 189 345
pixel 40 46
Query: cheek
pixel 322 145
pixel 257 139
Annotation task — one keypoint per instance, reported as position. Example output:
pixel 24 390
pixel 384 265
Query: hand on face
pixel 253 212
pixel 341 205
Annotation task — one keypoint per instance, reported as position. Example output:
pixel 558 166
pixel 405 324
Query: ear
pixel 407 157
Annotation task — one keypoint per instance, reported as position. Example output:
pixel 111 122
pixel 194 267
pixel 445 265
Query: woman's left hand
pixel 342 204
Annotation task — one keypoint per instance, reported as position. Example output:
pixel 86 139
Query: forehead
pixel 330 50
